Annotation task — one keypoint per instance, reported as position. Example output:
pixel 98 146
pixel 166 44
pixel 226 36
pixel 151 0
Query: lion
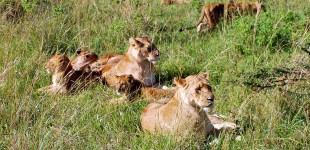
pixel 210 16
pixel 64 76
pixel 251 8
pixel 84 58
pixel 185 113
pixel 139 61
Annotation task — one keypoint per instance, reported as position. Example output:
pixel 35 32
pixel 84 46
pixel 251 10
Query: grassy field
pixel 261 78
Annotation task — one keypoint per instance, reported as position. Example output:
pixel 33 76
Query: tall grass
pixel 276 117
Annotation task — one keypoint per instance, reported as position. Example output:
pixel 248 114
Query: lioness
pixel 138 61
pixel 185 113
pixel 210 15
pixel 63 77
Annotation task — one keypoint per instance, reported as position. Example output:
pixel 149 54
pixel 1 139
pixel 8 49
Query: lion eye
pixel 149 49
pixel 61 60
pixel 198 89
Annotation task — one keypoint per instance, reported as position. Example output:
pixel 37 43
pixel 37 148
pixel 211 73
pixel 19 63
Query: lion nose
pixel 157 53
pixel 211 99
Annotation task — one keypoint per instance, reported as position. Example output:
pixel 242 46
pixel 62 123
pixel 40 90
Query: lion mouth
pixel 154 61
pixel 208 108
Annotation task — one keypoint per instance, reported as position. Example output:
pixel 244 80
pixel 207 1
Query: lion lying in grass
pixel 138 62
pixel 63 78
pixel 185 113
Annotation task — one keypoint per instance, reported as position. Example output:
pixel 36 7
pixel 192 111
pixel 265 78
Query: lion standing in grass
pixel 211 14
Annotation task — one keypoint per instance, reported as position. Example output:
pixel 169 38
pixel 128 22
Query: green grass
pixel 273 118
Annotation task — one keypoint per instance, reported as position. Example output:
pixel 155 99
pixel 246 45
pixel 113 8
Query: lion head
pixel 196 91
pixel 142 49
pixel 126 84
pixel 83 59
pixel 57 63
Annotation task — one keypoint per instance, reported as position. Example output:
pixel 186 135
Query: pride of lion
pixel 182 110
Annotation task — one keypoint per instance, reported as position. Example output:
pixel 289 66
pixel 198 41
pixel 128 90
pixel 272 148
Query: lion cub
pixel 167 2
pixel 131 87
pixel 105 59
pixel 63 78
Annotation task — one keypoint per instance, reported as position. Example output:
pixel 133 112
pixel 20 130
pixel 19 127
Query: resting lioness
pixel 64 76
pixel 185 113
pixel 138 61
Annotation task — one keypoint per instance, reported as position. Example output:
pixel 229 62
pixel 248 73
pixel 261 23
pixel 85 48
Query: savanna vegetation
pixel 258 69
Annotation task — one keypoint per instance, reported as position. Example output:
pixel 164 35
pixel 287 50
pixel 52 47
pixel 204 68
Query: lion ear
pixel 133 42
pixel 180 82
pixel 147 37
pixel 78 51
pixel 205 75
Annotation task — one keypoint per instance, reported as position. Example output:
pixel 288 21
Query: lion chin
pixel 208 108
pixel 153 61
